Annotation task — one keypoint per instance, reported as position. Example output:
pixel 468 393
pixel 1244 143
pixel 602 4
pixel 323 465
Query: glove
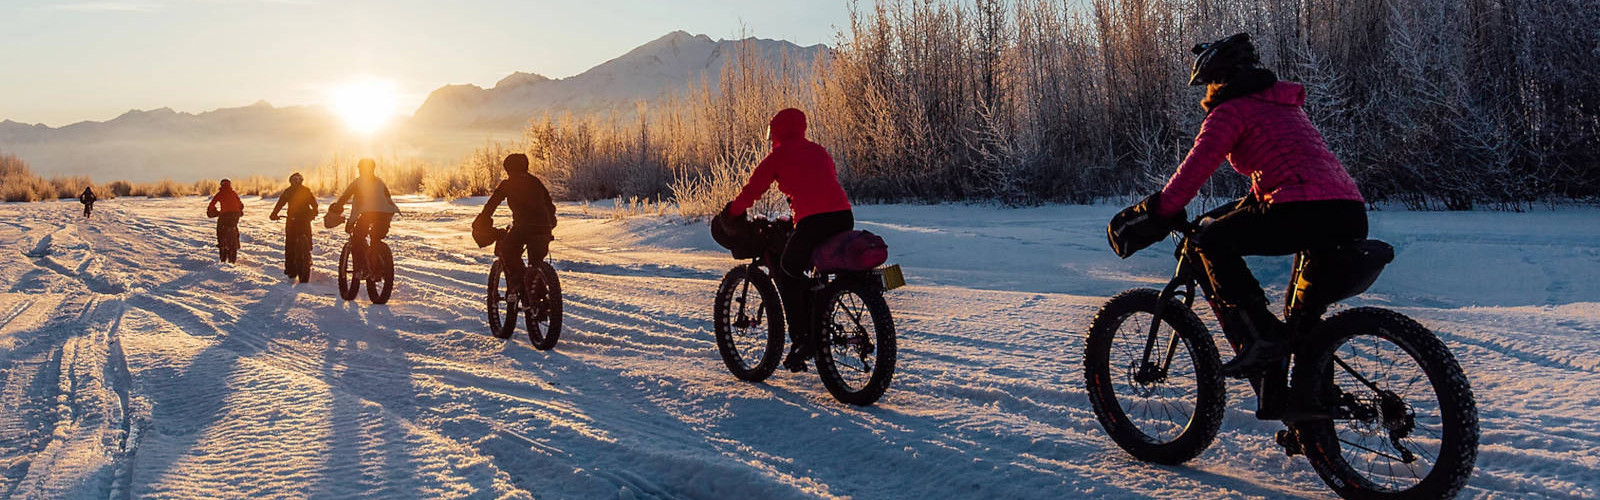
pixel 1138 226
pixel 274 217
pixel 728 222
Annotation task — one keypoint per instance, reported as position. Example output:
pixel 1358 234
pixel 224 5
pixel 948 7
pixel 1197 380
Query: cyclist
pixel 805 172
pixel 533 217
pixel 302 204
pixel 87 198
pixel 372 211
pixel 227 215
pixel 1300 198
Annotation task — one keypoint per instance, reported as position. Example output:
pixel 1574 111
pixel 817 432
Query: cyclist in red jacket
pixel 804 171
pixel 227 208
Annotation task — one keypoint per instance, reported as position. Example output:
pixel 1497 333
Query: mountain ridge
pixel 150 144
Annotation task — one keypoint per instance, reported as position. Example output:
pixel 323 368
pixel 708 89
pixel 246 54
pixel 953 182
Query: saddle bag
pixel 1329 275
pixel 851 251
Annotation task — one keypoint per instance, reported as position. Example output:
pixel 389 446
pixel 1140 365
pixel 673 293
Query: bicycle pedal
pixel 1289 442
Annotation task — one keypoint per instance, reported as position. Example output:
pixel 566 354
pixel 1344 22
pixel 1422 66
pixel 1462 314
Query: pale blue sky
pixel 72 60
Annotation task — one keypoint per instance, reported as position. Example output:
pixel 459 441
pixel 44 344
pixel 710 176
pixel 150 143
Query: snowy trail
pixel 138 367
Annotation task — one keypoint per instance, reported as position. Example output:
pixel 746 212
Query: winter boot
pixel 798 354
pixel 1262 335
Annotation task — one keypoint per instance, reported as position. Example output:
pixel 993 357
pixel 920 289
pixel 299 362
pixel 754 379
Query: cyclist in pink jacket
pixel 1300 196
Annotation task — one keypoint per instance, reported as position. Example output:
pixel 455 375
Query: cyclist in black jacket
pixel 302 205
pixel 533 216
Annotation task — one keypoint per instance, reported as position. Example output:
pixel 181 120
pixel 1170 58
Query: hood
pixel 789 124
pixel 1284 92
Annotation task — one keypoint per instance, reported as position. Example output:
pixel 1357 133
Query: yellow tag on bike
pixel 891 276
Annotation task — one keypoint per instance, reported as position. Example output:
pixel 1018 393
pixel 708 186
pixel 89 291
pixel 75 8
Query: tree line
pixel 1431 104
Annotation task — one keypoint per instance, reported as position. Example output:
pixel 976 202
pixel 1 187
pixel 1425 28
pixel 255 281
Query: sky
pixel 74 60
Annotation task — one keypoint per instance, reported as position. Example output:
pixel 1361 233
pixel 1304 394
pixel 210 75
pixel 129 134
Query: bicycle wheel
pixel 1164 412
pixel 856 344
pixel 380 273
pixel 302 265
pixel 348 286
pixel 1407 425
pixel 233 245
pixel 542 315
pixel 747 319
pixel 501 305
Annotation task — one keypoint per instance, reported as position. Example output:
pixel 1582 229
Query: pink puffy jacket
pixel 1268 137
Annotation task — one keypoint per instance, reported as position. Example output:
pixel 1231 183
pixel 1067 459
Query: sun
pixel 366 105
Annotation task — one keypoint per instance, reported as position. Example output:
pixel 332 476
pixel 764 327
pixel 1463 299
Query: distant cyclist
pixel 1301 197
pixel 302 205
pixel 533 216
pixel 227 209
pixel 805 172
pixel 372 211
pixel 87 198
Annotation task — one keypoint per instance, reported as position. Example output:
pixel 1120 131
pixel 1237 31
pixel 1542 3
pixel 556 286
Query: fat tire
pixel 884 349
pixel 501 323
pixel 302 267
pixel 380 276
pixel 551 309
pixel 348 288
pixel 1459 444
pixel 1211 397
pixel 722 323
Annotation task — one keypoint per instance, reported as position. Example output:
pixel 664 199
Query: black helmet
pixel 1217 59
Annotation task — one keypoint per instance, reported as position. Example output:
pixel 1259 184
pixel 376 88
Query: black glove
pixel 1139 226
pixel 729 223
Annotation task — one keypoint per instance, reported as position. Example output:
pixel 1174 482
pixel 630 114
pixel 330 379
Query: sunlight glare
pixel 365 105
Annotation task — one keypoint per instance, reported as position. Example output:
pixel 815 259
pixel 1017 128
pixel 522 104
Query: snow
pixel 134 365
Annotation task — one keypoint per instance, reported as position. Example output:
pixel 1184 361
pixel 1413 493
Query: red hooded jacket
pixel 1268 137
pixel 803 170
pixel 228 199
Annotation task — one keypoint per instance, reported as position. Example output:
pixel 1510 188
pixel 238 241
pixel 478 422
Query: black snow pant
pixel 295 228
pixel 228 236
pixel 1255 228
pixel 794 284
pixel 373 227
pixel 535 241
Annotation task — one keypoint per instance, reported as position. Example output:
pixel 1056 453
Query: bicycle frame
pixel 1185 280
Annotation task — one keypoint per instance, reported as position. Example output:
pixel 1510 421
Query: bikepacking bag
pixel 1137 227
pixel 851 251
pixel 1334 274
pixel 737 235
pixel 484 233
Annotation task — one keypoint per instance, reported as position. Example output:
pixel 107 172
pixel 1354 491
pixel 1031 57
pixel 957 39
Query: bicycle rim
pixel 1404 405
pixel 1161 410
pixel 856 351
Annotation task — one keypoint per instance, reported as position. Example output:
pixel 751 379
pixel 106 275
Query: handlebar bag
pixel 738 235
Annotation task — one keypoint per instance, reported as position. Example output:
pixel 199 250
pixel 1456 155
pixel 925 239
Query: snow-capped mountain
pixel 144 145
pixel 163 143
pixel 671 64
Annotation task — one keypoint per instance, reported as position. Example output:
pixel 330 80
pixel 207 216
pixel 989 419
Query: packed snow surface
pixel 133 365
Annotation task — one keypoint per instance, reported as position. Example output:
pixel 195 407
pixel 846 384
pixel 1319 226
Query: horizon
pixel 56 85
